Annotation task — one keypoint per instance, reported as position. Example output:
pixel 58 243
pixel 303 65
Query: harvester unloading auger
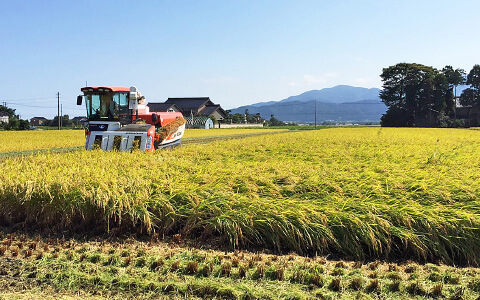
pixel 119 119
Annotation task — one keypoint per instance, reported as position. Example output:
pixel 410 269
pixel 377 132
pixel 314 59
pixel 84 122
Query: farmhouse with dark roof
pixel 199 106
pixel 163 107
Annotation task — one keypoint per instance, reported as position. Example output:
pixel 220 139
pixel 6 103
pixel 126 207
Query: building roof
pixel 211 109
pixel 199 105
pixel 4 114
pixel 38 118
pixel 161 106
pixel 189 104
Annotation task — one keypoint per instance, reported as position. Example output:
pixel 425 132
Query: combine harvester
pixel 119 119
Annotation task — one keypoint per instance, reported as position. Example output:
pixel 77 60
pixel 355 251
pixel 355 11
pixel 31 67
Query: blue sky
pixel 235 52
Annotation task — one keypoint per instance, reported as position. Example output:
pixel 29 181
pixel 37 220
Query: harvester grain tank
pixel 119 119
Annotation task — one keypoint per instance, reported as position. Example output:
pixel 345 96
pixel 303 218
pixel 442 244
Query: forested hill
pixel 341 103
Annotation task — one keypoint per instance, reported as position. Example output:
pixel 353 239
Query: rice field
pixel 40 139
pixel 199 133
pixel 17 141
pixel 353 192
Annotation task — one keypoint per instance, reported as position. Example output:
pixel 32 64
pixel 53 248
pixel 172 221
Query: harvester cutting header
pixel 119 119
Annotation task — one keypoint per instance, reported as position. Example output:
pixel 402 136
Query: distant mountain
pixel 339 104
pixel 336 94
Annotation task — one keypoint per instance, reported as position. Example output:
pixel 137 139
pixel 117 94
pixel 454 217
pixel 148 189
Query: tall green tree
pixel 471 96
pixel 416 95
pixel 455 77
pixel 23 125
pixel 9 111
pixel 275 122
pixel 238 118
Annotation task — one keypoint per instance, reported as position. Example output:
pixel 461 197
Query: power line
pixel 74 108
pixel 30 99
pixel 50 107
pixel 26 105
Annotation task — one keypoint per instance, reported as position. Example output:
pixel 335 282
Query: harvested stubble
pixel 359 192
pixel 169 264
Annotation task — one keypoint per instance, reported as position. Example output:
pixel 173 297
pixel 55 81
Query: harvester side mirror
pixel 79 100
pixel 154 118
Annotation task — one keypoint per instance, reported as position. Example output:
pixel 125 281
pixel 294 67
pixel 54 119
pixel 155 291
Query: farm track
pixel 185 141
pixel 30 152
pixel 209 139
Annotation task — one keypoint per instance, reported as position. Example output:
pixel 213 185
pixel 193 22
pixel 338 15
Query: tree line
pixel 248 118
pixel 64 121
pixel 422 96
pixel 15 123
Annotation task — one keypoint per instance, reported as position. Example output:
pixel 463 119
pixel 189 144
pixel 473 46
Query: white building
pixel 199 122
pixel 4 117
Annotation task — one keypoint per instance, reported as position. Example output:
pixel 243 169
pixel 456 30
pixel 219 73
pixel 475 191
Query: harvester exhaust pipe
pixel 133 100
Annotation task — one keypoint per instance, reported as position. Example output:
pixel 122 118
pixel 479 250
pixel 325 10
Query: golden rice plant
pixel 11 141
pixel 359 192
pixel 17 141
pixel 199 133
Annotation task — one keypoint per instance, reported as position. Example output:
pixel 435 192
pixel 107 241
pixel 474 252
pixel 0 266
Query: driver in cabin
pixel 105 106
pixel 113 110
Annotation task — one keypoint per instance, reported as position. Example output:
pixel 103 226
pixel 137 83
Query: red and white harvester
pixel 119 119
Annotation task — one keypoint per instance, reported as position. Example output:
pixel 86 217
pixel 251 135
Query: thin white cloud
pixel 219 80
pixel 319 79
pixel 360 59
pixel 331 75
pixel 363 81
pixel 367 82
pixel 311 79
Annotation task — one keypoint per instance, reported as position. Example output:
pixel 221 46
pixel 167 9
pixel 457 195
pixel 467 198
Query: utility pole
pixel 61 115
pixel 58 112
pixel 315 114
